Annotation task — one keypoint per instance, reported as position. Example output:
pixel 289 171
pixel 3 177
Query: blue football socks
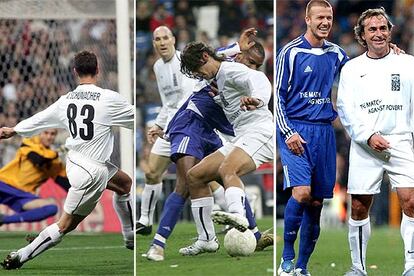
pixel 36 214
pixel 170 214
pixel 251 220
pixel 293 220
pixel 309 234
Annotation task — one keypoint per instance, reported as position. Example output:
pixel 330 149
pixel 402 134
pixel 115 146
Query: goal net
pixel 38 40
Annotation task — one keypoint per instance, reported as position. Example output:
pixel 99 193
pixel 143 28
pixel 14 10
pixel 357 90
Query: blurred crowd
pixel 35 64
pixel 290 24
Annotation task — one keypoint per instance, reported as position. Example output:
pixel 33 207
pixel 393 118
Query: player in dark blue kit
pixel 192 135
pixel 305 72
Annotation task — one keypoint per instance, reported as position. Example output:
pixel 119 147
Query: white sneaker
pixel 286 268
pixel 301 272
pixel 200 247
pixel 355 271
pixel 409 272
pixel 236 220
pixel 155 253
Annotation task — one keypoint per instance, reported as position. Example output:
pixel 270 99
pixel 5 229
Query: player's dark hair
pixel 86 64
pixel 192 58
pixel 319 3
pixel 258 48
pixel 359 28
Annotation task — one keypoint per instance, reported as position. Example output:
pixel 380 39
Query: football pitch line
pixel 75 248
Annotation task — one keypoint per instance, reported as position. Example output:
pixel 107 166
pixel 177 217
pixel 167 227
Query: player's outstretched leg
pixel 309 234
pixel 207 240
pixel 235 216
pixel 36 214
pixel 293 219
pixel 48 238
pixel 170 215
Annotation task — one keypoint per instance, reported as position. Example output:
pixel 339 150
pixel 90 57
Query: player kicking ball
pixel 243 95
pixel 89 113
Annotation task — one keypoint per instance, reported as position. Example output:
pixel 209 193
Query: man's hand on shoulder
pixel 7 132
pixel 154 132
pixel 294 143
pixel 396 50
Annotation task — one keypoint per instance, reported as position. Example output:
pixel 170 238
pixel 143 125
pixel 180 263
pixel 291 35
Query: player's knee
pixel 302 195
pixel 125 186
pixel 152 177
pixel 408 206
pixel 359 210
pixel 225 171
pixel 194 178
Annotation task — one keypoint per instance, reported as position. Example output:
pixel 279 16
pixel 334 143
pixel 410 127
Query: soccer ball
pixel 239 243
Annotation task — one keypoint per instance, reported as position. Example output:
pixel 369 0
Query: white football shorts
pixel 366 166
pixel 258 146
pixel 161 147
pixel 88 180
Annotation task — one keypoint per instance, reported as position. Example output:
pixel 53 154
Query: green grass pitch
pixel 77 254
pixel 385 255
pixel 219 263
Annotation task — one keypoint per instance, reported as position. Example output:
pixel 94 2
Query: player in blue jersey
pixel 305 72
pixel 192 137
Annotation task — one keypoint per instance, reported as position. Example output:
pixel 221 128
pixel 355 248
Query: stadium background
pixel 218 23
pixel 289 25
pixel 36 68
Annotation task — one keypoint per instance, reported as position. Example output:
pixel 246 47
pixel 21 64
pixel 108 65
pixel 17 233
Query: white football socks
pixel 150 196
pixel 219 198
pixel 358 236
pixel 407 233
pixel 123 208
pixel 49 237
pixel 201 209
pixel 235 198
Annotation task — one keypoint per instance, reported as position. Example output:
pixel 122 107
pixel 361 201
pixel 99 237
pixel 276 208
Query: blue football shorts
pixel 191 135
pixel 14 198
pixel 316 167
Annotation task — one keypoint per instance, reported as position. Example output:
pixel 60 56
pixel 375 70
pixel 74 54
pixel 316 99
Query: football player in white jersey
pixel 244 95
pixel 375 105
pixel 174 89
pixel 89 113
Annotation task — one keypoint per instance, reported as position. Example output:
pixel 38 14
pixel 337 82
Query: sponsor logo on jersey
pixel 395 82
pixel 308 69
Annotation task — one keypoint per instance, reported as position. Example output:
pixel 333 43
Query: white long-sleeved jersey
pixel 174 88
pixel 235 80
pixel 88 113
pixel 376 95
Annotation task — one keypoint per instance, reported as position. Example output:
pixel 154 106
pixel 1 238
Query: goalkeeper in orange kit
pixel 34 163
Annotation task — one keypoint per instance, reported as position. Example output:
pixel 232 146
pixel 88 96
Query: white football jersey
pixel 174 88
pixel 88 113
pixel 376 95
pixel 235 80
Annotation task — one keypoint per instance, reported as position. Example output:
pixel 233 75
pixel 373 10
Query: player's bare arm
pixel 246 41
pixel 250 103
pixel 154 132
pixel 7 132
pixel 294 143
pixel 378 143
